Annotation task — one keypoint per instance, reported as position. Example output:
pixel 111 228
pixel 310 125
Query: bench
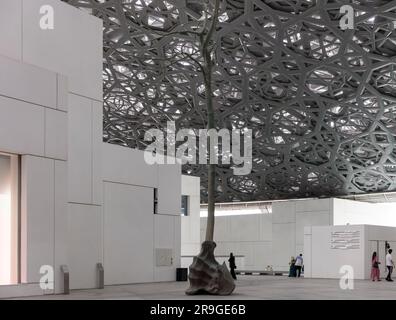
pixel 258 272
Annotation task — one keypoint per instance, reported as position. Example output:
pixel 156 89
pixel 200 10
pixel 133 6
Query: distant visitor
pixel 389 265
pixel 299 264
pixel 292 269
pixel 375 271
pixel 232 264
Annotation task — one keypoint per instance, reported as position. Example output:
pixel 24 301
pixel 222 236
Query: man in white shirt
pixel 389 264
pixel 298 265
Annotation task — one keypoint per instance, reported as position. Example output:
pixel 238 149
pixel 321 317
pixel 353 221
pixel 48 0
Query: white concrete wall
pixel 51 115
pixel 323 261
pixel 356 212
pixel 29 115
pixel 73 48
pixel 283 234
pixel 249 236
pixel 128 233
pixel 289 219
pixel 270 239
pixel 132 232
pixel 190 225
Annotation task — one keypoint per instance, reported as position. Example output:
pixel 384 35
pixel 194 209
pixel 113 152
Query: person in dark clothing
pixel 231 261
pixel 292 269
pixel 389 264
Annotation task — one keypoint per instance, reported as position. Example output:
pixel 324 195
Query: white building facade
pixel 80 202
pixel 346 251
pixel 269 240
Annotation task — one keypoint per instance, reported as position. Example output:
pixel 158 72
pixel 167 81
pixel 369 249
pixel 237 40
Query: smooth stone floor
pixel 248 287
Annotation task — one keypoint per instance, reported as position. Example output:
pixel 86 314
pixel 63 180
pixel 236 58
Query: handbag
pixel 375 264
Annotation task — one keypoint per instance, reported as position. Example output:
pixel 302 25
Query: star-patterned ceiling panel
pixel 321 101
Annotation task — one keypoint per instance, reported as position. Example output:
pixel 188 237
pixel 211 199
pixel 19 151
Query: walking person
pixel 299 264
pixel 292 269
pixel 232 264
pixel 375 271
pixel 389 265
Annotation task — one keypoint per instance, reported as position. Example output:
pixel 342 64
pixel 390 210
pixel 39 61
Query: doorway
pixel 9 219
pixel 379 247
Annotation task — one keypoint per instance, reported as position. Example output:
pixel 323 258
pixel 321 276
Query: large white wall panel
pixel 191 185
pixel 21 127
pixel 37 206
pixel 202 228
pixel 177 241
pixel 269 239
pixel 128 234
pixel 249 236
pixel 62 92
pixel 126 165
pixel 97 141
pixel 245 248
pixel 289 219
pixel 59 135
pixel 27 82
pixel 80 149
pixel 85 245
pixel 91 55
pixel 313 205
pixel 306 219
pixel 265 227
pixel 164 238
pixel 308 252
pixel 169 189
pixel 55 134
pixel 222 228
pixel 245 227
pixel 283 245
pixel 190 228
pixel 11 22
pixel 355 212
pixel 262 254
pixel 72 48
pixel 164 230
pixel 190 225
pixel 326 262
pixel 323 261
pixel 61 223
pixel 195 219
pixel 284 212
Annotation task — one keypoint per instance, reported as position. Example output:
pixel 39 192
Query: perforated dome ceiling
pixel 321 101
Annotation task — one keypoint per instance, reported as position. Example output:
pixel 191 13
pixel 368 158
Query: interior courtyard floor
pixel 248 287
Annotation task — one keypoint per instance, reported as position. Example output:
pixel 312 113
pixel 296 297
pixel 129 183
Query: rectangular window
pixel 9 219
pixel 155 201
pixel 184 206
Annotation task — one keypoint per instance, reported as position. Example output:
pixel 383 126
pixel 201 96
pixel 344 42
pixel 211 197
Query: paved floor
pixel 248 287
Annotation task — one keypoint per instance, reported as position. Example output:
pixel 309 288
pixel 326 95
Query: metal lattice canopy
pixel 321 101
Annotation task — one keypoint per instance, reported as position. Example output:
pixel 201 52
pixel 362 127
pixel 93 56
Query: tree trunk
pixel 211 167
pixel 207 73
pixel 206 274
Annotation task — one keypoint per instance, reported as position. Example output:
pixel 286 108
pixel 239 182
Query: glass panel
pixel 184 206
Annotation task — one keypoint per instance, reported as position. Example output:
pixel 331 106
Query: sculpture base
pixel 207 276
